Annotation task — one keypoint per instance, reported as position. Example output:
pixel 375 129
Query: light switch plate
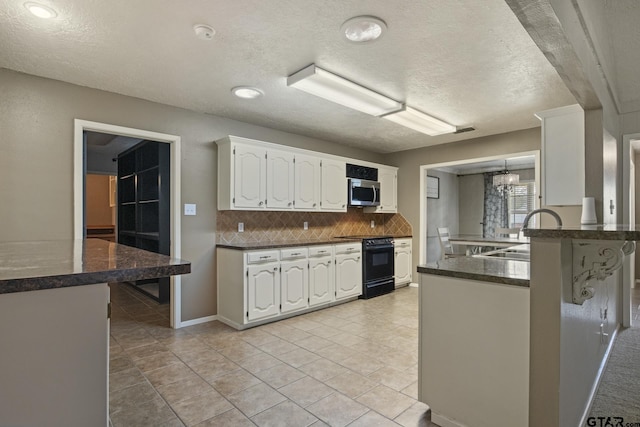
pixel 373 224
pixel 305 225
pixel 189 209
pixel 240 227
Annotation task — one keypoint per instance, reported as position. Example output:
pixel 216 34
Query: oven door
pixel 378 263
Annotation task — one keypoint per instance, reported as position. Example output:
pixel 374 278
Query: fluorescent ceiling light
pixel 332 87
pixel 40 10
pixel 417 120
pixel 247 92
pixel 363 29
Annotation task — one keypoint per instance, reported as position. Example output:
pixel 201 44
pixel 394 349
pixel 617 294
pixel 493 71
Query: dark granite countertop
pixel 36 265
pixel 502 271
pixel 245 246
pixel 588 232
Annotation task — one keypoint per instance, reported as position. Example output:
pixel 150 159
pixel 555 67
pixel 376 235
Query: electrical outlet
pixel 240 227
pixel 373 224
pixel 305 225
pixel 189 209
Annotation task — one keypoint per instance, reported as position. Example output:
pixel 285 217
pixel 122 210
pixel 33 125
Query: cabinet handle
pixel 289 204
pixel 275 268
pixel 314 205
pixel 343 206
pixel 296 253
pixel 357 259
pixel 261 203
pixel 328 262
pixel 322 252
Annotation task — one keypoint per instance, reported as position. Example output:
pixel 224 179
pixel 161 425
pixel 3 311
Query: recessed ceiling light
pixel 40 10
pixel 247 92
pixel 204 32
pixel 363 29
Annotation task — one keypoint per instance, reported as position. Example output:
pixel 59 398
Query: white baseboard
pixel 443 421
pixel 198 321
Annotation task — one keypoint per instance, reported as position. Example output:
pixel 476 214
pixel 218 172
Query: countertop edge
pixel 247 246
pixel 598 232
pixel 82 279
pixel 474 276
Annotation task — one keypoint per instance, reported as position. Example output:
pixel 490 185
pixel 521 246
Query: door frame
pixel 630 145
pixel 424 169
pixel 79 151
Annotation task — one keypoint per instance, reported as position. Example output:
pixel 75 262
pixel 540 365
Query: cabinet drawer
pixel 262 256
pixel 293 253
pixel 349 248
pixel 320 251
pixel 402 243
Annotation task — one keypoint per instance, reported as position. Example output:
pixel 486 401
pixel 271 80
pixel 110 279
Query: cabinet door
pixel 263 290
pixel 280 179
pixel 348 275
pixel 307 182
pixel 334 185
pixel 249 177
pixel 321 280
pixel 388 190
pixel 563 172
pixel 402 265
pixel 294 285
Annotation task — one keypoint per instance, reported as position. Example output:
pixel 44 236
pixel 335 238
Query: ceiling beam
pixel 544 27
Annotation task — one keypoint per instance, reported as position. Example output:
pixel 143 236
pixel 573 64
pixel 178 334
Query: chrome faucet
pixel 525 223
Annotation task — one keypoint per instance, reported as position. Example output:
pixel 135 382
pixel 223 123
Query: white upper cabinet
pixel 388 177
pixel 280 179
pixel 334 185
pixel 563 170
pixel 256 175
pixel 307 182
pixel 249 184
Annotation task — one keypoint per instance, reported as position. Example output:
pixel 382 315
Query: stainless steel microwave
pixel 363 192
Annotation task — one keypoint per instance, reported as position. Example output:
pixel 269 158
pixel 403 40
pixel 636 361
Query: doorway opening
pixel 459 202
pixel 631 204
pixel 96 145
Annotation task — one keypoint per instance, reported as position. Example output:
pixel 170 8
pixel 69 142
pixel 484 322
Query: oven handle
pixel 379 247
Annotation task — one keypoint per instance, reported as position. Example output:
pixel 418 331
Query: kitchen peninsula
pixel 54 328
pixel 506 342
pixel 474 341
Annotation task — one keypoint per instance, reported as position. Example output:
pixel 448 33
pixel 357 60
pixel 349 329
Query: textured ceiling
pixel 467 62
pixel 614 28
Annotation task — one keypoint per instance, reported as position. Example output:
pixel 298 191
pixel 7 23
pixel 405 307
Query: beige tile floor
pixel 354 364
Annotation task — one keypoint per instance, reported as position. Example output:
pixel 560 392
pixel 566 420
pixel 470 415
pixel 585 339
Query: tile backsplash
pixel 288 226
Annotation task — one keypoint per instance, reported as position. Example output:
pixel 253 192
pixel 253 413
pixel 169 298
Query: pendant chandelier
pixel 505 180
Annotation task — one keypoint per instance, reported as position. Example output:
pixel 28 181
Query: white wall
pixel 36 160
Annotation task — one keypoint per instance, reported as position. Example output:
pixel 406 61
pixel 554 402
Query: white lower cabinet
pixel 259 286
pixel 321 275
pixel 263 290
pixel 348 270
pixel 294 280
pixel 402 261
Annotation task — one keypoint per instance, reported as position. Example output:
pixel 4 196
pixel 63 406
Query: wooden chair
pixel 507 232
pixel 445 244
